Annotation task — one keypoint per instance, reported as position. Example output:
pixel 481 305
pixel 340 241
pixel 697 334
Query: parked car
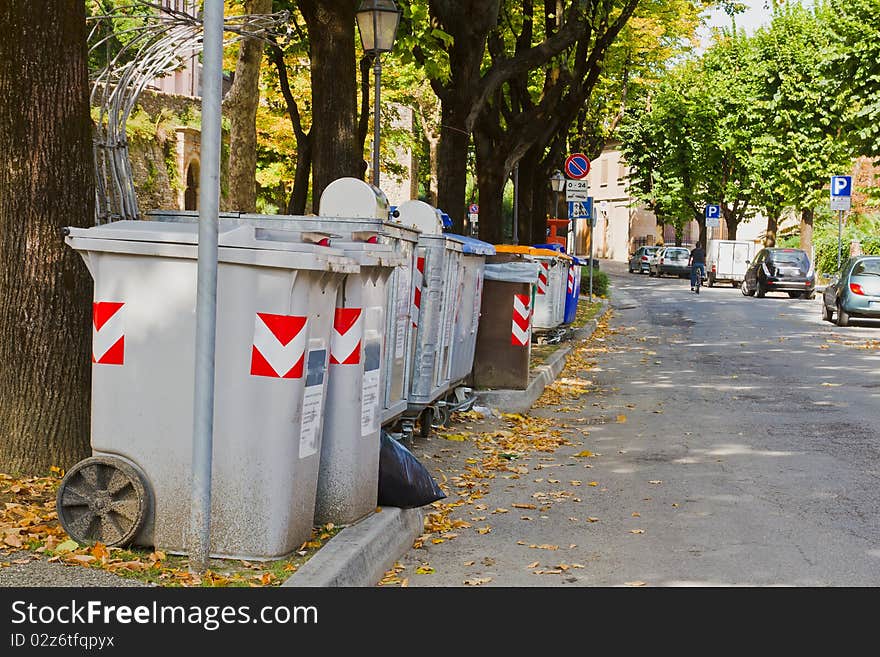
pixel 780 270
pixel 672 260
pixel 856 293
pixel 639 262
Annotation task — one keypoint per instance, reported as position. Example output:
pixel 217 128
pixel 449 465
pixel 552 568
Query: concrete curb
pixel 361 553
pixel 520 401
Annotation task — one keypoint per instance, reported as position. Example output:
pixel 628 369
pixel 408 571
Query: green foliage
pixel 825 239
pixel 601 282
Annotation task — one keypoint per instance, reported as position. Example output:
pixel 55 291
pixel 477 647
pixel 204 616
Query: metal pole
pixel 555 204
pixel 377 69
pixel 839 236
pixel 206 295
pixel 591 256
pixel 516 204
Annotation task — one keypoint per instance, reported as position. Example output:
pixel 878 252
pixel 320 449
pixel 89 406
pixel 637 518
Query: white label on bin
pixel 313 399
pixel 370 399
pixel 478 300
pixel 402 311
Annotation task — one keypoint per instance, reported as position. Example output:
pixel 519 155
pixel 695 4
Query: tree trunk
pixel 772 228
pixel 807 230
pixel 46 183
pixel 732 221
pixel 491 182
pixel 240 105
pixel 452 156
pixel 331 25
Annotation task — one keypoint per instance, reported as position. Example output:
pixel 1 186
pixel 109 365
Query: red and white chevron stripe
pixel 108 333
pixel 279 346
pixel 521 330
pixel 346 337
pixel 570 281
pixel 418 283
pixel 543 275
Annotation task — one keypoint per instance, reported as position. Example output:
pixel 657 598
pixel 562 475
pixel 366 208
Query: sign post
pixel 841 200
pixel 473 218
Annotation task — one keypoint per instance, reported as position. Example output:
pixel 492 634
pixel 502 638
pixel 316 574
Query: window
pixel 864 267
pixel 603 172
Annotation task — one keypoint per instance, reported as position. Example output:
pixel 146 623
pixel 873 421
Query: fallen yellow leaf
pixel 585 453
pixel 637 583
pixel 424 569
pixel 621 419
pixel 636 531
pixel 477 581
pixel 523 506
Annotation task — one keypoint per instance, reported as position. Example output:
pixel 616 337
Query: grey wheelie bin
pixel 467 318
pixel 345 199
pixel 349 468
pixel 276 298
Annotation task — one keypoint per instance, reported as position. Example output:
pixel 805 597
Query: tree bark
pixel 240 105
pixel 46 183
pixel 452 155
pixel 331 25
pixel 772 229
pixel 807 230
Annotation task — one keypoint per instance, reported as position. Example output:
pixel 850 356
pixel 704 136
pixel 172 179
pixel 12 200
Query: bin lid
pixel 552 246
pixel 351 197
pixel 473 246
pixel 525 271
pixel 421 215
pixel 513 248
pixel 232 235
pixel 549 253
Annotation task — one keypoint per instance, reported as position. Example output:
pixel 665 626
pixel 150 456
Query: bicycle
pixel 697 280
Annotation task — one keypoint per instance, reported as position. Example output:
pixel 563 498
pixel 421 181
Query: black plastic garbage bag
pixel 403 481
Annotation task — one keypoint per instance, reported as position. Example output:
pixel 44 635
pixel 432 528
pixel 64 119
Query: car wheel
pixel 760 290
pixel 826 314
pixel 744 288
pixel 733 284
pixel 631 270
pixel 710 281
pixel 842 316
pixel 809 296
pixel 794 295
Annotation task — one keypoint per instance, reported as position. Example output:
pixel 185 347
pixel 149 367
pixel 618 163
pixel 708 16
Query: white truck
pixel 726 260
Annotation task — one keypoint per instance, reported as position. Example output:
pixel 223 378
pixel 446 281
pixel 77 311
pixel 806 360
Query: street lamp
pixel 557 184
pixel 377 23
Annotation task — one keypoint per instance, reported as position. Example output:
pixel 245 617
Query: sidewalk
pixel 360 554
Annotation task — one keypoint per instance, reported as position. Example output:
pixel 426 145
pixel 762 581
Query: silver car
pixel 856 293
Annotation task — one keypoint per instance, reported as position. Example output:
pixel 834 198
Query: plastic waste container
pixel 503 345
pixel 467 310
pixel 345 199
pixel 574 290
pixel 552 284
pixel 348 475
pixel 436 294
pixel 276 298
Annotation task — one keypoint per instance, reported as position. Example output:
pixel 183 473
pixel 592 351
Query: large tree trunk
pixel 452 158
pixel 772 229
pixel 731 219
pixel 807 230
pixel 240 105
pixel 331 25
pixel 46 183
pixel 491 180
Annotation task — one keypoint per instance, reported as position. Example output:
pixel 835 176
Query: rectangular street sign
pixel 713 216
pixel 841 193
pixel 576 190
pixel 577 210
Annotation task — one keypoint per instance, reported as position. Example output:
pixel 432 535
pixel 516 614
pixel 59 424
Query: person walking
pixel 697 262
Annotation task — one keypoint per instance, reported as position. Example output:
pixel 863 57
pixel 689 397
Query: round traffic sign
pixel 473 208
pixel 577 166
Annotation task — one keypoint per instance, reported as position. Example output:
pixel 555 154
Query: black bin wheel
pixel 102 498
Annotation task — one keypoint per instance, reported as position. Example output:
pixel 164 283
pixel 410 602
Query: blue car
pixel 856 293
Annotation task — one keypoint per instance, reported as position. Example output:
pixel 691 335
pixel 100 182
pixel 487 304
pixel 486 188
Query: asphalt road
pixel 735 442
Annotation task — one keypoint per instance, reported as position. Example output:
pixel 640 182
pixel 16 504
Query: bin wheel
pixel 441 416
pixel 426 418
pixel 102 498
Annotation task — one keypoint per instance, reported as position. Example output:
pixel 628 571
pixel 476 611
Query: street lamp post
pixel 557 184
pixel 377 23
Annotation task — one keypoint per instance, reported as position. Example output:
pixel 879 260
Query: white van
pixel 726 260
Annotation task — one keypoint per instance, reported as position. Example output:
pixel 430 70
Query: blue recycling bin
pixel 573 289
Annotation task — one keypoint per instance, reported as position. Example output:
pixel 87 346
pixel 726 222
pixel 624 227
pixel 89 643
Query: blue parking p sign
pixel 841 193
pixel 713 215
pixel 841 185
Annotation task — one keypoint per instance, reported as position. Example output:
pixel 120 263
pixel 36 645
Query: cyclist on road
pixel 697 262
